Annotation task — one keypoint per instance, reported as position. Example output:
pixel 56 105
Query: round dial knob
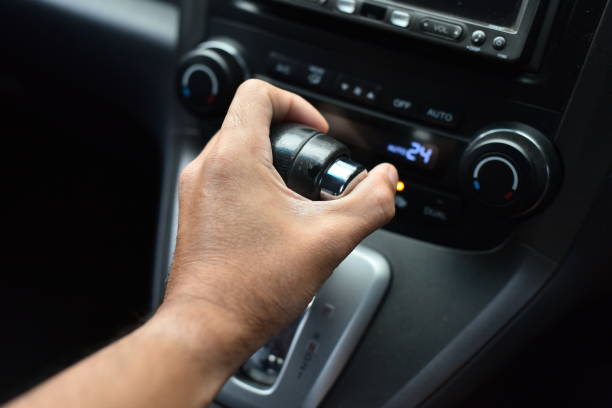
pixel 314 164
pixel 510 168
pixel 209 75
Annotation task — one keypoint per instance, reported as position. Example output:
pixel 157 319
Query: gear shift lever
pixel 313 164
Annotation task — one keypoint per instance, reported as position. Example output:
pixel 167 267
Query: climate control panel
pixel 459 177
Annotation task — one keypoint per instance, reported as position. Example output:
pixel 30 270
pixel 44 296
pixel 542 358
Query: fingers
pixel 257 104
pixel 372 203
pixel 245 132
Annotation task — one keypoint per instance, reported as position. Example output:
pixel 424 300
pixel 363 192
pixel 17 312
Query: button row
pixel 405 106
pixel 363 92
pixel 357 90
pixel 290 70
pixel 479 37
pixel 402 19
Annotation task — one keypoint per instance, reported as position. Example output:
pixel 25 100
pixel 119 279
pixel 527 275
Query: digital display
pixel 416 153
pixel 373 141
pixel 503 13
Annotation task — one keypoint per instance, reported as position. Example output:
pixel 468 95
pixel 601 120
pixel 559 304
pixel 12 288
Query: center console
pixel 476 104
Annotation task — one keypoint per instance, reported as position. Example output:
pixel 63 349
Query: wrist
pixel 215 343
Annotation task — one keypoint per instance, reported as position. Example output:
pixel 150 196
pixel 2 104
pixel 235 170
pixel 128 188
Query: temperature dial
pixel 511 169
pixel 496 179
pixel 209 75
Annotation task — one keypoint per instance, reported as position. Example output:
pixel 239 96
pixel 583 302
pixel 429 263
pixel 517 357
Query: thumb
pixel 371 204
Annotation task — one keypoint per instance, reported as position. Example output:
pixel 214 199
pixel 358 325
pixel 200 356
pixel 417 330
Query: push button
pixel 441 116
pixel 428 206
pixel 399 18
pixel 314 76
pixel 439 208
pixel 401 105
pixel 290 70
pixel 478 37
pixel 284 68
pixel 442 29
pixel 357 90
pixel 499 43
pixel 347 6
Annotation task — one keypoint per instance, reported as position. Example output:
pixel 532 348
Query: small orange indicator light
pixel 400 186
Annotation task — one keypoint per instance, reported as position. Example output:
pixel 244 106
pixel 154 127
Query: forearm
pixel 174 360
pixel 250 255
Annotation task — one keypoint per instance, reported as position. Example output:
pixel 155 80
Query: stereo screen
pixel 502 13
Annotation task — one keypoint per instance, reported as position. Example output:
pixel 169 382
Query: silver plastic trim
pixel 355 290
pixel 341 178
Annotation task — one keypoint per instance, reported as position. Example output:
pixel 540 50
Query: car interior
pixel 491 286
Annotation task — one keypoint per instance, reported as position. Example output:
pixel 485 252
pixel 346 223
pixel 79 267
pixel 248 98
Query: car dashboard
pixel 496 116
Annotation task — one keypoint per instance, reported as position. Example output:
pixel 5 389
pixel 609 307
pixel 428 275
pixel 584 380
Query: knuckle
pixel 249 98
pixel 251 86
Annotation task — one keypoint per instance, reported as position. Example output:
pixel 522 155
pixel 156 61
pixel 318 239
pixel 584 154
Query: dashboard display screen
pixel 409 148
pixel 423 155
pixel 503 13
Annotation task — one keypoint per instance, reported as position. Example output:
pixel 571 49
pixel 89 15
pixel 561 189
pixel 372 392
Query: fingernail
pixel 392 175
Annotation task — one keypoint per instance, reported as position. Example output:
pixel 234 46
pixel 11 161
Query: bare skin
pixel 250 255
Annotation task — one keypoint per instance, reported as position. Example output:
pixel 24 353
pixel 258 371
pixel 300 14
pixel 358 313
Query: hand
pixel 251 252
pixel 250 255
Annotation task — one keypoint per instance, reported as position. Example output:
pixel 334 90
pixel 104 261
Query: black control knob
pixel 511 168
pixel 209 75
pixel 313 164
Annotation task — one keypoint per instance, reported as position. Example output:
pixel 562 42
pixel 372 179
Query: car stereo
pixel 497 29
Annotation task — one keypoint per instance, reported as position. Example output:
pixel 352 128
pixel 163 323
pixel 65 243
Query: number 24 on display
pixel 417 149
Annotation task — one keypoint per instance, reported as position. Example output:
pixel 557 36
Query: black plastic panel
pixel 433 318
pixel 85 105
pixel 586 150
pixel 117 50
